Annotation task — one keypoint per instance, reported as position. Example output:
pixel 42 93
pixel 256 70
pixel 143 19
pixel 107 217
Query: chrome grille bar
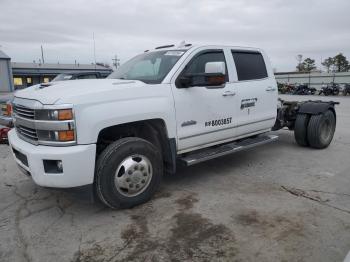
pixel 23 111
pixel 27 132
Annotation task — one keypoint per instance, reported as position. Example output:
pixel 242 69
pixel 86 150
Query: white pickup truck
pixel 168 106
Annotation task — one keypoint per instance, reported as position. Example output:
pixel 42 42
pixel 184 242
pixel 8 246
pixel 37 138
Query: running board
pixel 226 149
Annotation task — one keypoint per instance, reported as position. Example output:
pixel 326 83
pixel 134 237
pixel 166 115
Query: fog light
pixel 53 166
pixel 59 166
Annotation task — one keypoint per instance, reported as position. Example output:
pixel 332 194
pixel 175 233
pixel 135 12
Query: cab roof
pixel 186 46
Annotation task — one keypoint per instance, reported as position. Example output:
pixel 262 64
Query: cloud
pixel 283 28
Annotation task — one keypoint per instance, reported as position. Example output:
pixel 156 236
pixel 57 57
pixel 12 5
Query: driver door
pixel 204 114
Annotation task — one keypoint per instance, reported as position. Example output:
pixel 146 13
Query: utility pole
pixel 116 61
pixel 93 38
pixel 42 54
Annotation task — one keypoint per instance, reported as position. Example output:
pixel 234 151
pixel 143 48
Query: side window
pixel 249 65
pixel 87 77
pixel 197 64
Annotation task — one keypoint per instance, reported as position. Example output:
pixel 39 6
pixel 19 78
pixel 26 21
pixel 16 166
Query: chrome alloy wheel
pixel 133 175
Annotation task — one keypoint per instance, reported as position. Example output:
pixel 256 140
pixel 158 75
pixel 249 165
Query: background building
pixel 27 74
pixel 6 84
pixel 15 75
pixel 313 79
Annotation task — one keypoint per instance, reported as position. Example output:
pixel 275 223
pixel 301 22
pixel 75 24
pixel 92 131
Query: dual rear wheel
pixel 316 131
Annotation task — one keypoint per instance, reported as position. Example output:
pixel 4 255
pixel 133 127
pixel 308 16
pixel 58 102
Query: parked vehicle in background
pixel 346 89
pixel 286 88
pixel 168 106
pixel 5 119
pixel 304 90
pixel 5 113
pixel 330 89
pixel 76 76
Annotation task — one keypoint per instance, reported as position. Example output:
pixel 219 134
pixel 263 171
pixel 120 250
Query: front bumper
pixel 5 121
pixel 78 162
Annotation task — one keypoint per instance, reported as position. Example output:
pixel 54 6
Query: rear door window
pixel 249 65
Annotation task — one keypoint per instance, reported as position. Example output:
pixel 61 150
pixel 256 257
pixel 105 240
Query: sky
pixel 65 28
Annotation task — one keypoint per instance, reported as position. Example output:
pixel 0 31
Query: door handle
pixel 270 89
pixel 229 93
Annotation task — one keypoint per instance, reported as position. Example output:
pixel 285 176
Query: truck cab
pixel 164 107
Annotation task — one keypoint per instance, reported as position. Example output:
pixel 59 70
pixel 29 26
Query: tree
pixel 328 63
pixel 305 66
pixel 341 64
pixel 309 64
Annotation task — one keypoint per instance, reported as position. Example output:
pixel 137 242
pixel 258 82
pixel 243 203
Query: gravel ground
pixel 278 202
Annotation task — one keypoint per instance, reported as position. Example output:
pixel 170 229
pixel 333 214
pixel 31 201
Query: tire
pixel 121 169
pixel 321 130
pixel 336 92
pixel 300 129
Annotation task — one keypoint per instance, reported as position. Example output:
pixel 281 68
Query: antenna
pixel 93 38
pixel 42 54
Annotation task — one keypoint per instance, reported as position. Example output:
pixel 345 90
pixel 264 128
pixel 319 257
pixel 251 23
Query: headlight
pixel 50 125
pixel 56 136
pixel 53 114
pixel 55 125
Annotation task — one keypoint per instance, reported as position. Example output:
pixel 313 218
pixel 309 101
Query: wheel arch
pixel 152 130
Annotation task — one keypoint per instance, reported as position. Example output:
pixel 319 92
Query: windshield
pixel 150 68
pixel 62 77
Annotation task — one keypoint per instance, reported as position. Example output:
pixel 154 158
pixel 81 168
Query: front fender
pixel 91 119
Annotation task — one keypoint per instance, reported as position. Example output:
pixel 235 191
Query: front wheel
pixel 128 172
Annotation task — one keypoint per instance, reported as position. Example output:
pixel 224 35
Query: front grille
pixel 27 132
pixel 23 111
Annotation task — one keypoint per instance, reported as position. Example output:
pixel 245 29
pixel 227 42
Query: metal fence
pixel 313 79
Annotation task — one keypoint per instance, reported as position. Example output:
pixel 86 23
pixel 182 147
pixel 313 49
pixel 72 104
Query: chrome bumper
pixel 6 121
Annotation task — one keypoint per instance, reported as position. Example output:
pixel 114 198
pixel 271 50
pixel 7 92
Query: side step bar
pixel 222 150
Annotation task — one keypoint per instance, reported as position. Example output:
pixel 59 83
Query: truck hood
pixel 69 91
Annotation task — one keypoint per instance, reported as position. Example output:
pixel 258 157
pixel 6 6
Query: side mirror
pixel 215 68
pixel 214 76
pixel 215 73
pixel 184 81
